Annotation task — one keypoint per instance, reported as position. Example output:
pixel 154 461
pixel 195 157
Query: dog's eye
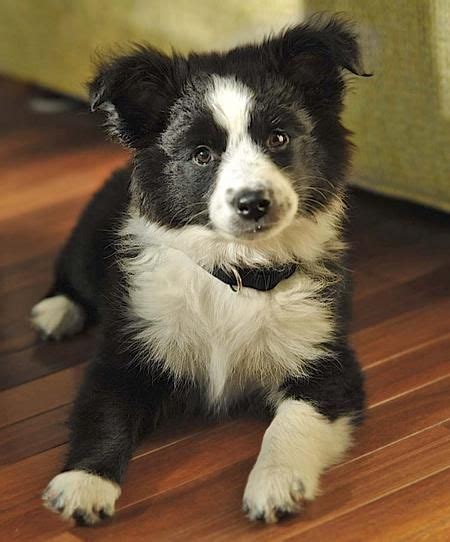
pixel 277 140
pixel 202 155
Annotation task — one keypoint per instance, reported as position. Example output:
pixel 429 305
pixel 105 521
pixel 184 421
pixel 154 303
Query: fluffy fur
pixel 81 495
pixel 57 317
pixel 239 161
pixel 287 470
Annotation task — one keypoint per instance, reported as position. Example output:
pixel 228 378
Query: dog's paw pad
pixel 57 317
pixel 272 494
pixel 81 496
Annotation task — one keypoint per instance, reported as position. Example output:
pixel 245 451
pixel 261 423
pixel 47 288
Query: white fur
pixel 81 492
pixel 57 317
pixel 306 239
pixel 297 447
pixel 231 102
pixel 230 342
pixel 244 165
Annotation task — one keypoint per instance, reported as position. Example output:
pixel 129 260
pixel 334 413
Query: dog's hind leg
pixel 75 298
pixel 57 317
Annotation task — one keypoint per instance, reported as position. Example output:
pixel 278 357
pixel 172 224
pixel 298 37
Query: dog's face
pixel 228 152
pixel 236 153
pixel 240 143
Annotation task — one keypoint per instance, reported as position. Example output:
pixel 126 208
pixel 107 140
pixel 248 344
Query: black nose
pixel 251 204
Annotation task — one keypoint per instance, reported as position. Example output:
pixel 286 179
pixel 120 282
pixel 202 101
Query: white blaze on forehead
pixel 244 165
pixel 230 102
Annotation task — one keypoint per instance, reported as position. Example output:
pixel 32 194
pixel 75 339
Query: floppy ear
pixel 135 91
pixel 315 53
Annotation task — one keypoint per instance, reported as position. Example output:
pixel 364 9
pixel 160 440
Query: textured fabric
pixel 400 116
pixel 54 42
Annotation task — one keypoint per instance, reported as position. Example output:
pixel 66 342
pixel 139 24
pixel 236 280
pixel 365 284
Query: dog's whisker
pixel 193 217
pixel 184 209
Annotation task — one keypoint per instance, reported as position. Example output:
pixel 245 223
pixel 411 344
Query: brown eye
pixel 277 140
pixel 202 155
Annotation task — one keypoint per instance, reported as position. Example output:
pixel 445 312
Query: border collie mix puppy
pixel 215 263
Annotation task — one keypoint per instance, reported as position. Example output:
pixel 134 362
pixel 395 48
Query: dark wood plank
pixel 31 436
pixel 406 372
pixel 403 333
pixel 52 179
pixel 34 272
pixel 66 537
pixel 418 512
pixel 35 229
pixel 25 479
pixel 37 233
pixel 404 415
pixel 43 358
pixel 38 396
pixel 394 301
pixel 394 242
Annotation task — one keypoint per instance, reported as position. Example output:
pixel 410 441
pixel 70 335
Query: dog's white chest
pixel 198 328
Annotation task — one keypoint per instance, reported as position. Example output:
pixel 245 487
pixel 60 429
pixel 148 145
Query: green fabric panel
pixel 401 116
pixel 53 42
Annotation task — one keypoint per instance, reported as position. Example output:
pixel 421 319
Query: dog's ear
pixel 136 91
pixel 314 55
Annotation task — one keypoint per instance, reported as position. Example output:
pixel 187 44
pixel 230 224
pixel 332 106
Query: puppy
pixel 216 264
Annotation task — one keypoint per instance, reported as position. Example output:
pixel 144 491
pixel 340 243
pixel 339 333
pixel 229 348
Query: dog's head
pixel 241 143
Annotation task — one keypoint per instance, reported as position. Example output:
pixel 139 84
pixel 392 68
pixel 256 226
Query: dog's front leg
pixel 297 446
pixel 114 402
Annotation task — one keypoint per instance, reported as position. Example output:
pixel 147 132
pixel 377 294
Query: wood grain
pixel 42 358
pixel 408 371
pixel 404 415
pixel 408 296
pixel 419 511
pixel 47 393
pixel 403 333
pixel 33 435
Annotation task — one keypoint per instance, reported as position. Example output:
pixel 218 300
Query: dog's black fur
pixel 119 397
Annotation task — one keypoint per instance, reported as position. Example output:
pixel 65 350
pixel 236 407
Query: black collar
pixel 262 278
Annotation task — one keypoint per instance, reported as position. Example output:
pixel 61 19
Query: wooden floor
pixel 186 482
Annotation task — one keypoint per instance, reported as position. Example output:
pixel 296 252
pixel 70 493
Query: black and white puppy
pixel 216 264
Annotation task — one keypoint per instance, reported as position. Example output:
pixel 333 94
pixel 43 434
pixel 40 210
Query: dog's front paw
pixel 84 497
pixel 272 493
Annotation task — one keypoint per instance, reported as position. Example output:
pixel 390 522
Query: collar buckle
pixel 238 286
